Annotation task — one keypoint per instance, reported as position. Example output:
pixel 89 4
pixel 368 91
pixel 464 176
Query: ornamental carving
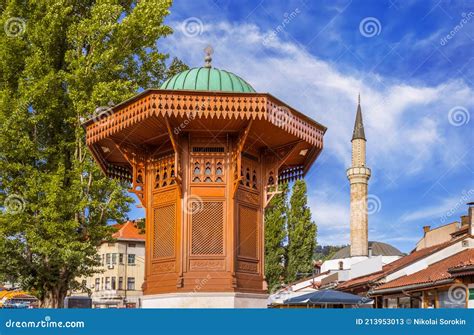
pixel 250 197
pixel 256 106
pixel 247 266
pixel 207 265
pixel 165 196
pixel 163 267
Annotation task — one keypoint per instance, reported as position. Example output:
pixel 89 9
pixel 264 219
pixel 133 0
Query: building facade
pixel 119 279
pixel 440 275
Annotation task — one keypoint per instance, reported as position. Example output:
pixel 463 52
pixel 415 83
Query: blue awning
pixel 328 297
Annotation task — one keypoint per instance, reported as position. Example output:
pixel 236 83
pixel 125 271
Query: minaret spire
pixel 359 124
pixel 358 175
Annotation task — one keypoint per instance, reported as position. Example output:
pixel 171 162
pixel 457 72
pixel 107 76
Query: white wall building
pixel 122 271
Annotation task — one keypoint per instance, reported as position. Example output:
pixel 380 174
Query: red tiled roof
pixel 463 269
pixel 128 231
pixel 461 231
pixel 361 280
pixel 393 266
pixel 434 272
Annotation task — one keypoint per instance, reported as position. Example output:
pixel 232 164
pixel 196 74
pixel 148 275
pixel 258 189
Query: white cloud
pixel 405 124
pixel 330 211
pixel 401 120
pixel 445 211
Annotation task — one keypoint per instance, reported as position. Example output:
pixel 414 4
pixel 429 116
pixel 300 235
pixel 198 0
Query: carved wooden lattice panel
pixel 249 174
pixel 207 228
pixel 164 172
pixel 248 218
pixel 208 169
pixel 164 228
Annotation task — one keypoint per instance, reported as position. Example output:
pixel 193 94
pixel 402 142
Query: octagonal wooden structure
pixel 204 166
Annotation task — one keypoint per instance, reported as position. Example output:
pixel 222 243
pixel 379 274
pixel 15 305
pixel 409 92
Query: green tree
pixel 301 233
pixel 275 237
pixel 59 61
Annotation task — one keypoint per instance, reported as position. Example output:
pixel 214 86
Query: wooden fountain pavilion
pixel 204 154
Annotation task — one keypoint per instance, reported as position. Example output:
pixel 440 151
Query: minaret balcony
pixel 358 172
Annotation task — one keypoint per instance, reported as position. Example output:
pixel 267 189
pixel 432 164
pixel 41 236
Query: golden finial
pixel 208 59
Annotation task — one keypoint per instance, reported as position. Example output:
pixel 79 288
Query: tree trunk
pixel 53 298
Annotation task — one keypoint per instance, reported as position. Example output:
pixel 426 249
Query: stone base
pixel 205 300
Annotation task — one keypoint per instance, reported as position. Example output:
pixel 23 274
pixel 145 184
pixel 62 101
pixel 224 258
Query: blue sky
pixel 411 61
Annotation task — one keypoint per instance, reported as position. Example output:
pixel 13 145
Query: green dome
pixel 207 79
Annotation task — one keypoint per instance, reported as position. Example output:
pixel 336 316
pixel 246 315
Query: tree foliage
pixel 275 237
pixel 290 236
pixel 59 61
pixel 301 234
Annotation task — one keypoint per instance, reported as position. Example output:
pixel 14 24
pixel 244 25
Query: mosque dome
pixel 207 79
pixel 378 249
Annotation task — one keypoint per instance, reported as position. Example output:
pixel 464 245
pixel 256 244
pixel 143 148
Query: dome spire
pixel 208 59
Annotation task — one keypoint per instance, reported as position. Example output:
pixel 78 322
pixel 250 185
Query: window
pixel 102 283
pixel 114 258
pixel 130 283
pixel 120 284
pixel 97 284
pixel 120 258
pixel 107 283
pixel 132 245
pixel 391 303
pixel 103 259
pixel 131 259
pixel 113 286
pixel 341 265
pixel 430 299
pixel 107 259
pixel 404 302
pixel 455 300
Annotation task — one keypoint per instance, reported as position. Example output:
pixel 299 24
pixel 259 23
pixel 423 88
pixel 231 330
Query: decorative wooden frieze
pixel 230 106
pixel 291 174
pixel 163 267
pixel 164 196
pixel 248 197
pixel 247 266
pixel 119 172
pixel 207 265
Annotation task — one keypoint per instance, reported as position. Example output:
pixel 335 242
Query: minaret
pixel 358 175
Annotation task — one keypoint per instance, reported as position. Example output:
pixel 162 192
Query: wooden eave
pixel 143 120
pixel 220 105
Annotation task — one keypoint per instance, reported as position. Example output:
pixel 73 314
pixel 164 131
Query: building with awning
pixel 444 284
pixel 17 299
pixel 325 299
pixel 437 276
